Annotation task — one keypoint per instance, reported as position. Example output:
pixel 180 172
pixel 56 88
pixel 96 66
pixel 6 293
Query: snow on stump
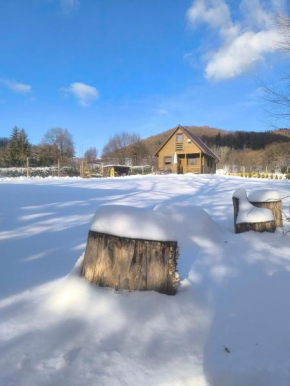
pixel 131 249
pixel 269 199
pixel 248 217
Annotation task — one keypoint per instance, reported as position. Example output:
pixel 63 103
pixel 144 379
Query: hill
pixel 213 137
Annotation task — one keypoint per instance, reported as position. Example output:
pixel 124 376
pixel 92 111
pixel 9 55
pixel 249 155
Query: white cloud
pixel 216 13
pixel 256 15
pixel 69 5
pixel 20 88
pixel 240 54
pixel 242 43
pixel 84 93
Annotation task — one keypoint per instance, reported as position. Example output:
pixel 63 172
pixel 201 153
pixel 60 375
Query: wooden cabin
pixel 184 152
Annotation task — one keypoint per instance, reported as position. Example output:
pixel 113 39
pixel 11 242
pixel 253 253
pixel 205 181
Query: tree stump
pixel 261 226
pixel 270 200
pixel 130 264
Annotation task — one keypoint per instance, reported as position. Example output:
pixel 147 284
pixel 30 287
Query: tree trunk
pixel 275 207
pixel 130 264
pixel 267 226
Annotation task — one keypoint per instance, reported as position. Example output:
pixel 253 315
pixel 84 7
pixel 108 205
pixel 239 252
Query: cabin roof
pixel 199 143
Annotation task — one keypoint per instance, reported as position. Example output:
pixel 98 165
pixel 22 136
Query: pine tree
pixel 18 147
pixel 24 145
pixel 12 147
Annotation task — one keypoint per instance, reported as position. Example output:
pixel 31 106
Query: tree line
pixel 249 151
pixel 245 139
pixel 273 158
pixel 242 151
pixel 57 145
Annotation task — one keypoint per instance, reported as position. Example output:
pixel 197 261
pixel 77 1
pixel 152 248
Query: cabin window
pixel 167 160
pixel 192 159
pixel 208 162
pixel 179 138
pixel 211 163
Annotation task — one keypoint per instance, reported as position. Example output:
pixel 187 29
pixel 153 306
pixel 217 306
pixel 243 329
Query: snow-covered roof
pixel 115 166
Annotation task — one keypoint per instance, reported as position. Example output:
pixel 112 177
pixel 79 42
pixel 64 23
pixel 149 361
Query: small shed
pixel 116 170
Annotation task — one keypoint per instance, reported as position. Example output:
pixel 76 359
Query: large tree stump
pixel 130 264
pixel 249 210
pixel 270 200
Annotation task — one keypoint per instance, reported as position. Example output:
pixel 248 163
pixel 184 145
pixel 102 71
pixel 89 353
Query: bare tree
pixel 277 156
pixel 279 96
pixel 59 143
pixel 138 151
pixel 222 152
pixel 91 154
pixel 284 27
pixel 124 146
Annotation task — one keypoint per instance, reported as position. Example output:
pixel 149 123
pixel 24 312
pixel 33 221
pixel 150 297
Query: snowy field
pixel 229 323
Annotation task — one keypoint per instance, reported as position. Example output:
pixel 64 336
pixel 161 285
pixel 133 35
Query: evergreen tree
pixel 18 147
pixel 12 147
pixel 3 142
pixel 24 145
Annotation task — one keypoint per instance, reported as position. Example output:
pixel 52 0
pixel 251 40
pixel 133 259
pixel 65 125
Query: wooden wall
pixel 169 149
pixel 188 148
pixel 206 168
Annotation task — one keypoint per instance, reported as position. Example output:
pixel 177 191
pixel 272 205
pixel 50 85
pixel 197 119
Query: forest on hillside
pixel 235 140
pixel 238 150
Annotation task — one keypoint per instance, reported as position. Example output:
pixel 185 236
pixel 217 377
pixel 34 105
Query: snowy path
pixel 55 329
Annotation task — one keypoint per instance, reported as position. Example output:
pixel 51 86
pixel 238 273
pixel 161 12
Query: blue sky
pixel 98 67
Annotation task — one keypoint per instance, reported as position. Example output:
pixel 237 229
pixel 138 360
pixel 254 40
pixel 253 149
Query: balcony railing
pixel 193 169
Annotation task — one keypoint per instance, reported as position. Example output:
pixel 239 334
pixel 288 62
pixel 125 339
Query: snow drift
pixel 228 325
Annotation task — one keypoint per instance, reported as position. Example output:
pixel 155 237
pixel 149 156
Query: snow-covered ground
pixel 229 323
